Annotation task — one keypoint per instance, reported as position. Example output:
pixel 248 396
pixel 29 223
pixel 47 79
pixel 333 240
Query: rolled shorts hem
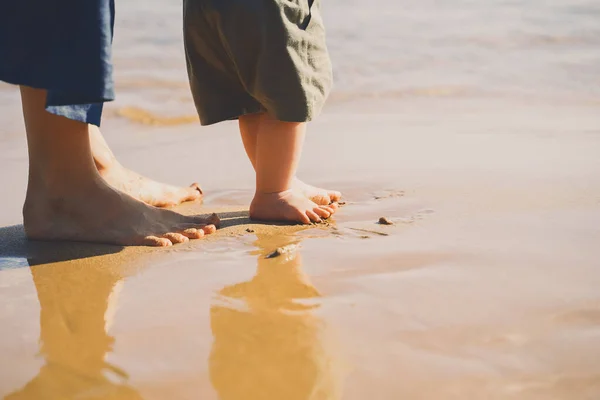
pixel 88 113
pixel 233 113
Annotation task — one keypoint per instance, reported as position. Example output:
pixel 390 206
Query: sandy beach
pixel 486 286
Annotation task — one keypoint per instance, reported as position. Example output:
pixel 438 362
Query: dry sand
pixel 486 286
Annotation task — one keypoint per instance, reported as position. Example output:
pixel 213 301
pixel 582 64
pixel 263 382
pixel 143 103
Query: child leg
pixel 249 125
pixel 266 63
pixel 278 151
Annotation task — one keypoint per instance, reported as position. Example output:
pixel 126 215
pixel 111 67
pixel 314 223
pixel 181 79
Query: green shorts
pixel 250 56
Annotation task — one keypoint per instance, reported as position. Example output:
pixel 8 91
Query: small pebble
pixel 249 230
pixel 385 221
pixel 281 250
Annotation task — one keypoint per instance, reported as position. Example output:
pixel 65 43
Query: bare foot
pixel 288 206
pixel 150 192
pixel 320 196
pixel 101 214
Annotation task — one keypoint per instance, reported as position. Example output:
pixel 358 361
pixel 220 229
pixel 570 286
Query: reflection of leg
pixel 134 184
pixel 68 200
pixel 278 150
pixel 281 281
pixel 73 337
pixel 73 306
pixel 249 125
pixel 274 350
pixel 278 282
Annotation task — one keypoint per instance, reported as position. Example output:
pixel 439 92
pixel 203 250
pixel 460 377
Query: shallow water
pixel 545 51
pixel 382 48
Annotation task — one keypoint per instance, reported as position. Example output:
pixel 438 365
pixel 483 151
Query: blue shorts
pixel 63 46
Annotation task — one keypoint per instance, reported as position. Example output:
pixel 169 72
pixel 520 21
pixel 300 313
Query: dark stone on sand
pixel 274 254
pixel 249 230
pixel 385 221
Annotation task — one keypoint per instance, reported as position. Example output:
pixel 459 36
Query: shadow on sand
pixel 17 251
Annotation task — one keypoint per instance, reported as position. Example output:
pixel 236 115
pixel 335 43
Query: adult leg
pixel 67 199
pixel 142 188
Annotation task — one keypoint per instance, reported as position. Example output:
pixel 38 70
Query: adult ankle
pixel 59 183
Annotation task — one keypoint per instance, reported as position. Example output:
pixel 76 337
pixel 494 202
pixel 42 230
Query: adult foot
pixel 319 196
pixel 150 192
pixel 100 214
pixel 288 206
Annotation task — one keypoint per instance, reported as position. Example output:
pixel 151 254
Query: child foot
pixel 150 192
pixel 288 206
pixel 320 196
pixel 101 214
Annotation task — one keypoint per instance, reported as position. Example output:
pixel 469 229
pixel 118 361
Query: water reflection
pixel 268 342
pixel 77 302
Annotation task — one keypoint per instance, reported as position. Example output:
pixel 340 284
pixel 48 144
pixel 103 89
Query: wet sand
pixel 486 286
pixel 474 127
